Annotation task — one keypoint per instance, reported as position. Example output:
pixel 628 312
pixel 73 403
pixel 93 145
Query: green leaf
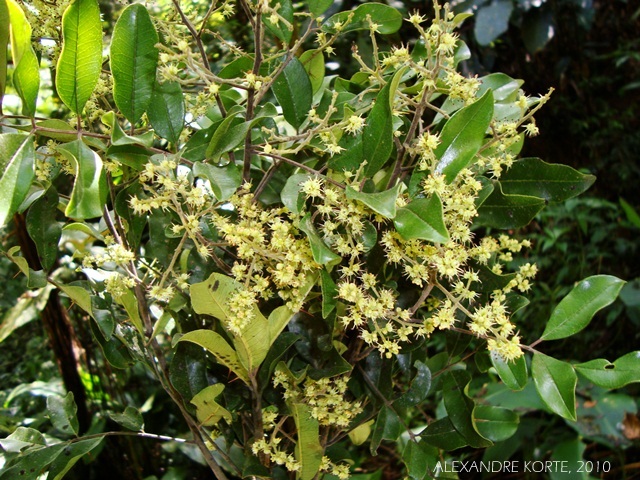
pixel 387 19
pixel 166 110
pixel 188 370
pixel 224 180
pixel 388 427
pixel 571 453
pixel 553 182
pixel 630 212
pixel 361 433
pixel 31 464
pixel 219 348
pixel 80 61
pixel 130 303
pixel 505 88
pixel 57 124
pixel 63 413
pixel 24 311
pixel 377 134
pixel 134 58
pixel 329 293
pixel 280 28
pixel 601 372
pixel 508 211
pixel 555 381
pixel 43 228
pixel 422 218
pixel 463 135
pixel 293 90
pixel 460 407
pixel 208 411
pixel 26 73
pixel 443 434
pixel 313 63
pixel 35 279
pixel 419 388
pixel 131 418
pixel 70 456
pixel 496 423
pixel 576 310
pixel 22 438
pixel 383 203
pixel 322 254
pixel 90 189
pixel 79 296
pixel 5 26
pixel 308 449
pixel 318 7
pixel 120 138
pixel 17 153
pixel 420 458
pixel 492 21
pixel 291 196
pixel 513 374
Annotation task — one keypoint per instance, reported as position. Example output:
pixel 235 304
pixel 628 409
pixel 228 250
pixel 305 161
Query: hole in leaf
pixel 610 366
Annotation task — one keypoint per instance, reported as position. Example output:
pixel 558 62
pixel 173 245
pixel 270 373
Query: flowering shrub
pixel 339 248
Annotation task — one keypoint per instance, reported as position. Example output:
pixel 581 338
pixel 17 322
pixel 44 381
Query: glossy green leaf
pixel 383 203
pixel 283 27
pixel 35 279
pixel 219 348
pixel 80 61
pixel 443 434
pixel 90 189
pixel 131 418
pixel 57 124
pixel 492 20
pixel 63 413
pixel 188 370
pixel 601 372
pixel 422 218
pixel 70 456
pixel 513 374
pixel 377 134
pixel 5 26
pixel 17 155
pixel 508 211
pixel 313 63
pixel 387 19
pixel 32 463
pixel 294 92
pixel 329 293
pixel 570 452
pixel 463 135
pixel 224 180
pixel 134 58
pixel 26 73
pixel 420 458
pixel 21 438
pixel 43 228
pixel 555 382
pixel 130 303
pixel 25 310
pixel 79 296
pixel 496 423
pixel 211 298
pixel 419 388
pixel 575 311
pixel 553 182
pixel 308 450
pixel 388 426
pixel 166 110
pixel 321 253
pixel 208 411
pixel 504 87
pixel 291 195
pixel 460 407
pixel 318 7
pixel 120 138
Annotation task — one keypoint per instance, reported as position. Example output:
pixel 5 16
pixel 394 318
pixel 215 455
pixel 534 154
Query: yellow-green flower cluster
pixel 271 251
